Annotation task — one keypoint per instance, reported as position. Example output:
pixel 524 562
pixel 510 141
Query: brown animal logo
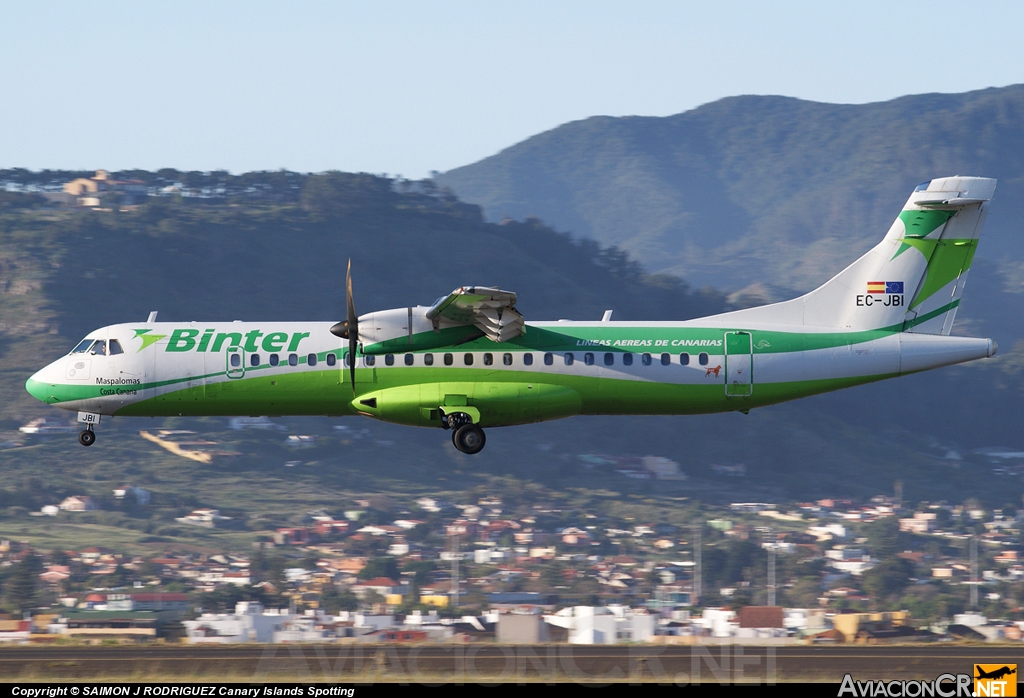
pixel 713 371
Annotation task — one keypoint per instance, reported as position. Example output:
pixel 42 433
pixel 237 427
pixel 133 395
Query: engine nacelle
pixel 387 332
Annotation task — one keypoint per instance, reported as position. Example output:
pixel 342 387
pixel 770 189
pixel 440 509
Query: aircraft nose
pixel 38 388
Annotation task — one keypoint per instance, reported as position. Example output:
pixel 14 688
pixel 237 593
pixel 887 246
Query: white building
pixel 302 629
pixel 922 522
pixel 249 623
pixel 207 518
pixel 604 625
pixel 43 426
pixel 719 622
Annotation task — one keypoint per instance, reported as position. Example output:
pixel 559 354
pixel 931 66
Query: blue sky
pixel 410 87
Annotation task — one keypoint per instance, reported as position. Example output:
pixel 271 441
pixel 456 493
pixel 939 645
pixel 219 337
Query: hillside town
pixel 833 570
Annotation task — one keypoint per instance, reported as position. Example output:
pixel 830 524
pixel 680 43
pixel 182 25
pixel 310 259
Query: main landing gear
pixel 466 436
pixel 87 437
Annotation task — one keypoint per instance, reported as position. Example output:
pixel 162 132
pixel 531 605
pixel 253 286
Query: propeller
pixel 349 328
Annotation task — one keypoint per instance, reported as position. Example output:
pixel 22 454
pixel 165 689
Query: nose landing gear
pixel 90 420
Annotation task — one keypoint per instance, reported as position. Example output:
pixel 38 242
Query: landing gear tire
pixel 87 437
pixel 469 438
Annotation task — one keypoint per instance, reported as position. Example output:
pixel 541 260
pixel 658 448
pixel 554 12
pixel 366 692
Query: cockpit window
pixel 83 346
pixel 114 347
pixel 99 348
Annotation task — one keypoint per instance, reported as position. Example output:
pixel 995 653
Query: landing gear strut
pixel 466 436
pixel 87 437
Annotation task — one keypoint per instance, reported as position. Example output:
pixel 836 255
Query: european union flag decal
pixel 894 287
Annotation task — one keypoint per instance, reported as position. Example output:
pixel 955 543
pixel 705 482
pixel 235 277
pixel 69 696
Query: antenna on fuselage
pixel 607 317
pixel 152 317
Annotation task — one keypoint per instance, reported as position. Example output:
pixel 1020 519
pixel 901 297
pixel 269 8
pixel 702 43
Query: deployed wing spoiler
pixel 491 310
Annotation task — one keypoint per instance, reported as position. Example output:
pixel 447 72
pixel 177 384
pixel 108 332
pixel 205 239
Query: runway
pixel 472 663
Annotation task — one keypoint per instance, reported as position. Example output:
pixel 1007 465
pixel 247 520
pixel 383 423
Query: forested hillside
pixel 760 189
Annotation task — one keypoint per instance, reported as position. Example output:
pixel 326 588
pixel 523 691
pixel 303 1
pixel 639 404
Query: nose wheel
pixel 87 437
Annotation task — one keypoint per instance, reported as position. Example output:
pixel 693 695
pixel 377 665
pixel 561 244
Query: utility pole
pixel 455 571
pixel 697 571
pixel 974 571
pixel 771 575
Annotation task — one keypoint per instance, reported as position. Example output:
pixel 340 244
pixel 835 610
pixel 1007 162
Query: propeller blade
pixel 352 325
pixel 349 327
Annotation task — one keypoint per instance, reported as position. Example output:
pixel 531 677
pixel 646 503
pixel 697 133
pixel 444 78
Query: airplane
pixel 471 360
pixel 995 673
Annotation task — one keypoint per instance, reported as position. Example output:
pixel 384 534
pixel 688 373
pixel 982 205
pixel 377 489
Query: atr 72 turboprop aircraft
pixel 471 361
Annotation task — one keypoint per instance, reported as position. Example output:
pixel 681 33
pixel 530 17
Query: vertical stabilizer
pixel 913 279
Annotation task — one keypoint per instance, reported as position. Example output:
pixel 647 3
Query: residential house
pixel 207 518
pixel 921 522
pixel 142 496
pixel 78 503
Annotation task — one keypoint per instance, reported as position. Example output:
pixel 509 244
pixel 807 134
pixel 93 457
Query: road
pixel 450 663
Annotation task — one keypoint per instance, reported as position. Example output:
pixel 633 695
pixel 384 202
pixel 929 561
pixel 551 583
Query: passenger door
pixel 739 364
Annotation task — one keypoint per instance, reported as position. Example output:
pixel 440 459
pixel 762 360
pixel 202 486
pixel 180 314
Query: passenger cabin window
pixel 408 359
pixel 449 359
pixel 684 359
pixel 666 359
pixel 428 359
pixel 506 359
pixel 293 359
pixel 370 360
pixel 549 359
pixel 236 360
pixel 569 358
pixel 254 360
pixel 488 359
pixel 389 359
pixel 645 359
pixel 627 359
pixel 588 359
pixel 99 348
pixel 703 358
pixel 274 360
pixel 468 358
pixel 609 359
pixel 83 346
pixel 332 359
pixel 528 359
pixel 311 359
pixel 115 347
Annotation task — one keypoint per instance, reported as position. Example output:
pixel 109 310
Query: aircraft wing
pixel 491 310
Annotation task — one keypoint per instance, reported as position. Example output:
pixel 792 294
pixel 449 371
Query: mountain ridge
pixel 737 189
